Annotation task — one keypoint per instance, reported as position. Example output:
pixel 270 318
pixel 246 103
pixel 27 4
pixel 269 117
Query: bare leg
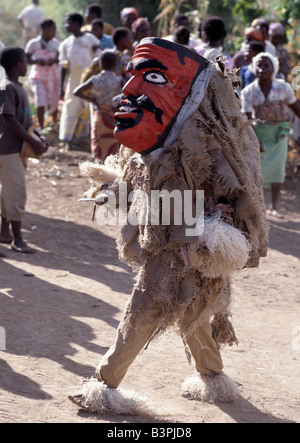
pixel 275 193
pixel 18 243
pixel 40 114
pixel 5 235
pixel 54 116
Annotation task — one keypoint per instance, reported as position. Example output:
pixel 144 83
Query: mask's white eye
pixel 155 77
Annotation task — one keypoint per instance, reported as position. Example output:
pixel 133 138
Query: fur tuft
pixel 217 388
pixel 98 173
pixel 96 396
pixel 227 246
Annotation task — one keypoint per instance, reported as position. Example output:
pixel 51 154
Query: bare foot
pixel 22 247
pixel 6 239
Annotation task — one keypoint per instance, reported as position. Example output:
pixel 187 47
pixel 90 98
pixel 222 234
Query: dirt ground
pixel 61 306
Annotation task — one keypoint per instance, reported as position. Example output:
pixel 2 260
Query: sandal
pixel 78 400
pixel 24 249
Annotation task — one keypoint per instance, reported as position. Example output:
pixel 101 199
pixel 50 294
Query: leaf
pixel 162 14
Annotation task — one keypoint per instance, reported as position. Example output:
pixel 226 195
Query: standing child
pixel 182 35
pixel 15 119
pixel 246 73
pixel 105 39
pixel 123 41
pixel 140 28
pixel 213 33
pixel 44 78
pixel 122 48
pixel 100 90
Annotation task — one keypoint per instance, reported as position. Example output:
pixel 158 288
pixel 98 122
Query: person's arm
pixel 247 109
pixel 65 65
pixel 296 108
pixel 31 61
pixel 63 77
pixel 97 50
pixel 291 99
pixel 80 92
pixel 14 126
pixel 53 61
pixel 20 19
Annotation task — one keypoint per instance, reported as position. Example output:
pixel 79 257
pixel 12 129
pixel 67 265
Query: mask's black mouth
pixel 130 110
pixel 128 118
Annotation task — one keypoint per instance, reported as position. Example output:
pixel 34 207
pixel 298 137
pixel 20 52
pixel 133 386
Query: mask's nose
pixel 133 86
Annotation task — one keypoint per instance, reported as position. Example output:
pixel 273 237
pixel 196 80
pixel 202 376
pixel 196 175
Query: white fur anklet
pixel 215 388
pixel 96 396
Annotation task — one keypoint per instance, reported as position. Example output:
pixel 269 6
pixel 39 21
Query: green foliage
pixel 290 10
pixel 10 31
pixel 236 13
pixel 247 10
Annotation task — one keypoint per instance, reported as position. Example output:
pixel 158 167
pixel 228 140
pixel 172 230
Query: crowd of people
pixel 182 129
pixel 74 81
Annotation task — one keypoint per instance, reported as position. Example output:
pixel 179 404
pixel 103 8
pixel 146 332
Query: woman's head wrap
pixel 273 60
pixel 255 33
pixel 126 11
pixel 258 22
pixel 137 23
pixel 276 29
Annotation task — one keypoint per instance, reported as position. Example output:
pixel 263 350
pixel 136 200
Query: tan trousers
pixel 131 340
pixel 13 181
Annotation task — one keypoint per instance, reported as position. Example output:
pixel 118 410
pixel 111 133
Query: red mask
pixel 162 75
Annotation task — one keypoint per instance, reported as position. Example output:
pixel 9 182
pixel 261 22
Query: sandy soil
pixel 61 306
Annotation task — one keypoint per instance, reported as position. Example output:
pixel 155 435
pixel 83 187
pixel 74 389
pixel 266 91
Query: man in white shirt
pixel 76 53
pixel 31 18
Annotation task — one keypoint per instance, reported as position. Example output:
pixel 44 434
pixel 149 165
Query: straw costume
pixel 183 280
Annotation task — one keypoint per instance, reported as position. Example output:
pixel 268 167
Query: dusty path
pixel 61 306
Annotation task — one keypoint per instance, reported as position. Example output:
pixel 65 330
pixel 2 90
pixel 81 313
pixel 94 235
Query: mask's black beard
pixel 138 104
